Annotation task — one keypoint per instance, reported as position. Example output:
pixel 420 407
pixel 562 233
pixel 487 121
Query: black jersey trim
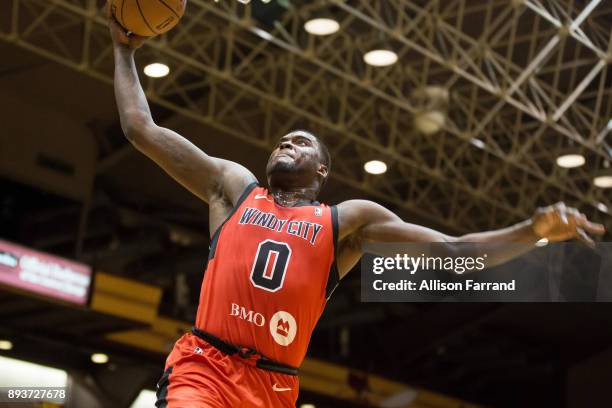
pixel 162 389
pixel 334 276
pixel 304 203
pixel 215 238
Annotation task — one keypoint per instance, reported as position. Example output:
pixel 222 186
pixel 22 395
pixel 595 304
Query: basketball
pixel 148 18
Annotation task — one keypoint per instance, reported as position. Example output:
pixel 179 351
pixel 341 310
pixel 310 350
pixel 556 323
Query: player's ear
pixel 322 170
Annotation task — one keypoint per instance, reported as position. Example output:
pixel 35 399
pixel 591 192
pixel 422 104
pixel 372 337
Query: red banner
pixel 43 273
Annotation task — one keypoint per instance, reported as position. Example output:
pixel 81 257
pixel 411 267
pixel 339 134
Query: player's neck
pixel 291 197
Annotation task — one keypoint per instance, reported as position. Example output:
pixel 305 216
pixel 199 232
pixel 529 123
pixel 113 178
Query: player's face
pixel 296 153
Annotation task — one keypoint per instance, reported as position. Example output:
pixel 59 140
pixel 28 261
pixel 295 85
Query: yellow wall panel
pixel 125 298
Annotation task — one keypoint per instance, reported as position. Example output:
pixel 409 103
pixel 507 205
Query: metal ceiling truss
pixel 527 81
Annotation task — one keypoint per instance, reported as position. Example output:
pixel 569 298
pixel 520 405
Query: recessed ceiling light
pixel 603 181
pixel 380 58
pixel 6 345
pixel 156 70
pixel 603 178
pixel 429 122
pixel 478 143
pixel 569 161
pixel 375 167
pixel 321 26
pixel 99 358
pixel 308 406
pixel 602 207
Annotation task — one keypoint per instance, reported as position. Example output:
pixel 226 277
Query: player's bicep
pixel 400 231
pixel 201 174
pixel 357 217
pixel 369 222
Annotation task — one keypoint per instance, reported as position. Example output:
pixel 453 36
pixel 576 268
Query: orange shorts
pixel 197 375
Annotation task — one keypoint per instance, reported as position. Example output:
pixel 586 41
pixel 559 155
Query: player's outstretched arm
pixel 203 175
pixel 362 222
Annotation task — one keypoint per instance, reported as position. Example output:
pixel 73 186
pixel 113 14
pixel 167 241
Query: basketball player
pixel 276 254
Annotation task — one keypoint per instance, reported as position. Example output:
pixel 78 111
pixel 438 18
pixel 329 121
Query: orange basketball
pixel 148 18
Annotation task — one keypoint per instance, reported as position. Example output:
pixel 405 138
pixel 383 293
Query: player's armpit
pixel 349 253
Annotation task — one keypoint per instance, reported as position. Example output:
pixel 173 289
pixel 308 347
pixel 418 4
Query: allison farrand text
pixel 442 286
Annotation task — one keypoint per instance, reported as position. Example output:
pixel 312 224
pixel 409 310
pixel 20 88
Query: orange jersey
pixel 270 272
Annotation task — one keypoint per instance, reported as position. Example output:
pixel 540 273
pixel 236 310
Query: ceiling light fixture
pixel 375 167
pixel 570 161
pixel 431 106
pixel 478 143
pixel 322 26
pixel 380 58
pixel 429 122
pixel 602 207
pixel 603 178
pixel 99 358
pixel 156 70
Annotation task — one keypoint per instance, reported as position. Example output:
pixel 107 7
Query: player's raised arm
pixel 363 222
pixel 203 175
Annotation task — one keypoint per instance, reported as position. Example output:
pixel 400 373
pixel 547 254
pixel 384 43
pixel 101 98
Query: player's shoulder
pixel 355 207
pixel 350 210
pixel 353 213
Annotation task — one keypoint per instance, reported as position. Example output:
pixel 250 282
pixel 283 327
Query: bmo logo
pixel 283 328
pixel 249 315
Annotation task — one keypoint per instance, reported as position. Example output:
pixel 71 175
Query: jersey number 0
pixel 270 265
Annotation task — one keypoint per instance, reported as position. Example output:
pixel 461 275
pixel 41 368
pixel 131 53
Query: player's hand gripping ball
pixel 148 18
